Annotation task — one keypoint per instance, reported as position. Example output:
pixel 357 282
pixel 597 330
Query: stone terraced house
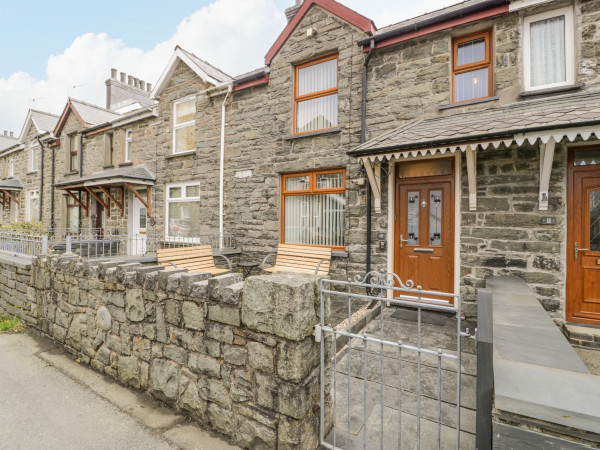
pixel 445 148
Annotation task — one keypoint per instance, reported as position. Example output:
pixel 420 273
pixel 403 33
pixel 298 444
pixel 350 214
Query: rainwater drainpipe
pixel 363 138
pixel 52 189
pixel 222 166
pixel 37 138
pixel 79 221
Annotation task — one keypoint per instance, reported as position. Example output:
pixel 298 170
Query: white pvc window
pixel 184 136
pixel 128 135
pixel 548 50
pixel 34 156
pixel 183 210
pixel 33 205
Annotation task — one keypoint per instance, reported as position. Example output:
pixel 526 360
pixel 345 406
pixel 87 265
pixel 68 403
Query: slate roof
pixel 210 70
pixel 133 173
pixel 11 184
pixel 7 142
pixel 504 122
pixel 429 15
pixel 45 122
pixel 92 114
pixel 259 71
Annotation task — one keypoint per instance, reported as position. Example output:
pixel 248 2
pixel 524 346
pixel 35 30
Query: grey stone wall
pixel 17 297
pixel 238 357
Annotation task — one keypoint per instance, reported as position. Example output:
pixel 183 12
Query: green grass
pixel 10 324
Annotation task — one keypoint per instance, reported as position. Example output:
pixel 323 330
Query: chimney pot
pixel 136 82
pixel 113 74
pixel 142 85
pixel 123 77
pixel 130 80
pixel 12 134
pixel 149 87
pixel 5 133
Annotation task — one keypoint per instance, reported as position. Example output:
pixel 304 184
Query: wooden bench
pixel 195 259
pixel 300 258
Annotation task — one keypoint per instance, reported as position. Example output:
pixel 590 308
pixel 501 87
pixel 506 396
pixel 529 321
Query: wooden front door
pixel 424 247
pixel 583 237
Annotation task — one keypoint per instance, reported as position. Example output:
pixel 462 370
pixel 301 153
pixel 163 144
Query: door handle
pixel 577 250
pixel 402 240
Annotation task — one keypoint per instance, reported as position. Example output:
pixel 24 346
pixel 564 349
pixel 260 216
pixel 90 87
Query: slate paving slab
pixel 356 417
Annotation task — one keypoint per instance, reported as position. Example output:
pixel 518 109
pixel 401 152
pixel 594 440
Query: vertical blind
pixel 315 219
pixel 547 45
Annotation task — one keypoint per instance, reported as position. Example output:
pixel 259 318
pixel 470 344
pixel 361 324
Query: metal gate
pixel 362 372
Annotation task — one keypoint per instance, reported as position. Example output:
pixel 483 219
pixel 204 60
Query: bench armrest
pixel 262 266
pixel 169 262
pixel 228 261
pixel 319 265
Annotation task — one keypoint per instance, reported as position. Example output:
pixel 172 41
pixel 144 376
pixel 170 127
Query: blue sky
pixel 55 49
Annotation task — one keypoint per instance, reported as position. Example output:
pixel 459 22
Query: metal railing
pixel 100 243
pixel 373 359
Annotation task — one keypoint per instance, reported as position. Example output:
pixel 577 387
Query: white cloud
pixel 234 35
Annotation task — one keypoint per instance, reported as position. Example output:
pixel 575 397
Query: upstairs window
pixel 34 155
pixel 472 69
pixel 184 136
pixel 314 208
pixel 11 168
pixel 108 149
pixel 316 95
pixel 548 50
pixel 73 153
pixel 128 145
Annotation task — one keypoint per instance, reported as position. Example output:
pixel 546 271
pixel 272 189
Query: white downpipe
pixel 222 167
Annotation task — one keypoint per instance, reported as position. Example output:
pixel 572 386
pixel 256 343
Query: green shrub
pixel 10 324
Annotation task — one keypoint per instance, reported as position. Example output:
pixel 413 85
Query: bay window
pixel 548 49
pixel 316 95
pixel 314 206
pixel 183 209
pixel 472 68
pixel 184 129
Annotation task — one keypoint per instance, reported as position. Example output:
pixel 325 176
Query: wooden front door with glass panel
pixel 424 224
pixel 583 237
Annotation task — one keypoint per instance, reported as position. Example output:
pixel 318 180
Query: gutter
pixel 445 17
pixel 467 139
pixel 252 77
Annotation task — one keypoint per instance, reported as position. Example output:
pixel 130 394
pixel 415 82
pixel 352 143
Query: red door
pixel 583 237
pixel 424 251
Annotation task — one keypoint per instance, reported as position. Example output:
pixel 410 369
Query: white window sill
pixel 552 90
pixel 176 155
pixel 312 134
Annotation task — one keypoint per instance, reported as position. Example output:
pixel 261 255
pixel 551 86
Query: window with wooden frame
pixel 472 67
pixel 73 153
pixel 108 149
pixel 313 208
pixel 316 95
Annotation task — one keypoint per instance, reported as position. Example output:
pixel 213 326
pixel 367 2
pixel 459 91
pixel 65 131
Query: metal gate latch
pixel 318 333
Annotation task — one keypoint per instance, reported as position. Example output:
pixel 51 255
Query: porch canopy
pixel 547 121
pixel 10 190
pixel 120 179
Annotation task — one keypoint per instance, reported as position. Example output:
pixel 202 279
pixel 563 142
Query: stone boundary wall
pixel 17 298
pixel 237 357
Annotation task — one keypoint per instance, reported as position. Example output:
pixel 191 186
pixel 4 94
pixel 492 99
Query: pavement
pixel 49 401
pixel 369 406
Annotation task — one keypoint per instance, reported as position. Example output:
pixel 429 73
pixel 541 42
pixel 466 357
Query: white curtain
pixel 547 48
pixel 315 219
